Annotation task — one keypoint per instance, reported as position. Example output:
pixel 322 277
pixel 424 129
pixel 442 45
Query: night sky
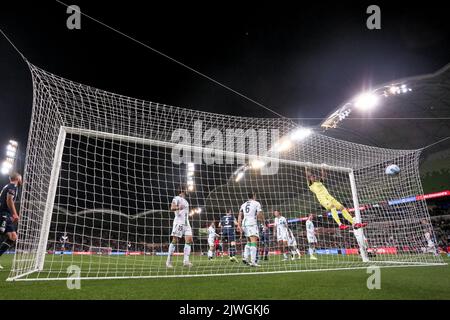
pixel 302 61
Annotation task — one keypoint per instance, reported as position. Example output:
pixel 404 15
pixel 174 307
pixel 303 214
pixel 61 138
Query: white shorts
pixel 312 239
pixel 282 236
pixel 251 231
pixel 211 242
pixel 180 230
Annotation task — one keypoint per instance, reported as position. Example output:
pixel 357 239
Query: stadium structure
pixel 101 167
pixel 413 120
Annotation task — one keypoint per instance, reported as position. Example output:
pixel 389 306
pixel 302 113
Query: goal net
pixel 103 170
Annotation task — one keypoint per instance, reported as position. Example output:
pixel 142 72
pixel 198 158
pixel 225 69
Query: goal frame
pixel 57 160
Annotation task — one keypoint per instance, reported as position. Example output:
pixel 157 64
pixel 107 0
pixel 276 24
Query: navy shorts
pixel 7 223
pixel 264 238
pixel 229 235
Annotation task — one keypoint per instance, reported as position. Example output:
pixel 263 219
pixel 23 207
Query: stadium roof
pixel 405 121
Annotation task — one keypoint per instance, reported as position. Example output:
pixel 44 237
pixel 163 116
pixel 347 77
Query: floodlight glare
pixel 239 176
pixel 10 154
pixel 4 171
pixel 11 148
pixel 283 145
pixel 7 164
pixel 13 143
pixel 301 134
pixel 239 169
pixel 394 89
pixel 257 164
pixel 366 101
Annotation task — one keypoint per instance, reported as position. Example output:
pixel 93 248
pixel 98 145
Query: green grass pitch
pixel 396 283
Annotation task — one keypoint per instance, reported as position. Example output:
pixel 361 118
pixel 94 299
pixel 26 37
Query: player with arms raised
pixel 228 224
pixel 181 227
pixel 316 185
pixel 280 232
pixel 249 215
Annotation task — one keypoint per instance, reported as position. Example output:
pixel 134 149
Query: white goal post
pixel 100 168
pixel 42 249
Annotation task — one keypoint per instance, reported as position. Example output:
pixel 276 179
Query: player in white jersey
pixel 311 237
pixel 64 240
pixel 280 232
pixel 249 214
pixel 181 227
pixel 431 246
pixel 211 237
pixel 292 243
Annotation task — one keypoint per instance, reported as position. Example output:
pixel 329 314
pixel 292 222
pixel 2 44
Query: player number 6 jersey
pixel 250 209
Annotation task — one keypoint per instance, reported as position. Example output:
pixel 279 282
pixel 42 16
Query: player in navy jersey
pixel 263 241
pixel 228 225
pixel 8 213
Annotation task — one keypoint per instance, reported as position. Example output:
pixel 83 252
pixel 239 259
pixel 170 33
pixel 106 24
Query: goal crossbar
pixel 166 144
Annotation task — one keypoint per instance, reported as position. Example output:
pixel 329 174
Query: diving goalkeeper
pixel 316 185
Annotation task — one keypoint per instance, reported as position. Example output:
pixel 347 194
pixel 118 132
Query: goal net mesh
pixel 102 170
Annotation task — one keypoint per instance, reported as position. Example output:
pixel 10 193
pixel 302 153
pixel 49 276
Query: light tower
pixel 11 155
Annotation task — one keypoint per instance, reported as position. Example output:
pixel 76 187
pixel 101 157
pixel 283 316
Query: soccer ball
pixel 392 169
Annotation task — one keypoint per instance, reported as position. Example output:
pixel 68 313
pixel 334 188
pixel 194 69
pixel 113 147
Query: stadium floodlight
pixel 190 169
pixel 190 184
pixel 257 164
pixel 10 154
pixel 394 89
pixel 366 101
pixel 405 89
pixel 283 145
pixel 14 143
pixel 301 134
pixel 11 148
pixel 190 175
pixel 11 151
pixel 195 211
